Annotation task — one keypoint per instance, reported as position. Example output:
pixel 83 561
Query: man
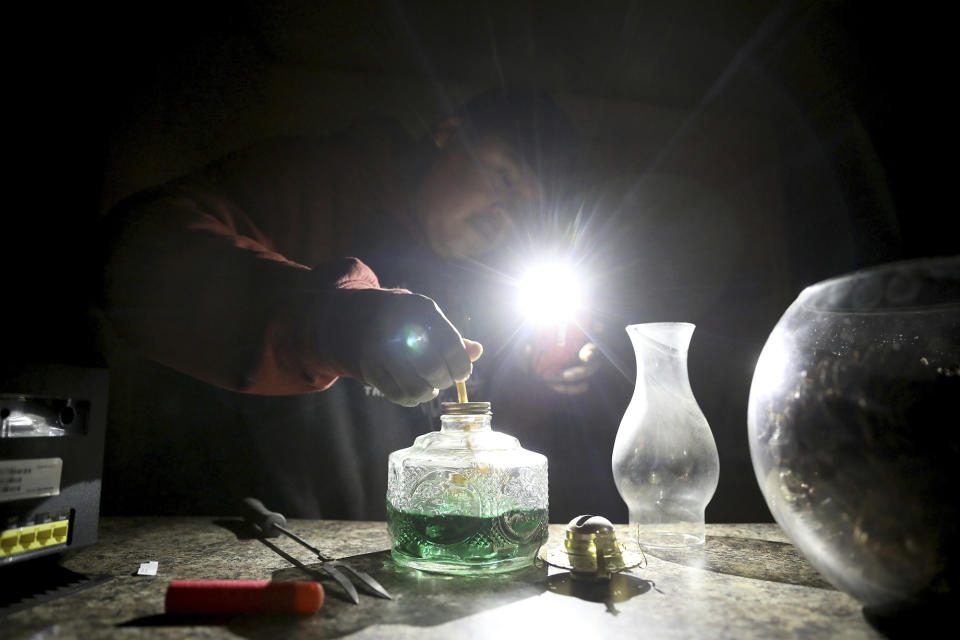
pixel 260 276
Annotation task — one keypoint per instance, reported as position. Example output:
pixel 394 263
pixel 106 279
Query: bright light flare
pixel 550 294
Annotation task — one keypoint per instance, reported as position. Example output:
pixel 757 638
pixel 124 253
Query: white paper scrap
pixel 148 568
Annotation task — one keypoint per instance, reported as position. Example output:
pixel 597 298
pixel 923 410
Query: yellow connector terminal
pixel 38 536
pixel 43 536
pixel 8 540
pixel 28 539
pixel 59 530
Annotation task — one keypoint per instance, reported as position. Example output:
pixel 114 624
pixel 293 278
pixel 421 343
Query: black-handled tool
pixel 271 524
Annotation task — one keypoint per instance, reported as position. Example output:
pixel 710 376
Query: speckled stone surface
pixel 748 581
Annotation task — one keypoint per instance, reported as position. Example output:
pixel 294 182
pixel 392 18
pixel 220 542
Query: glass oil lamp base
pixel 466 500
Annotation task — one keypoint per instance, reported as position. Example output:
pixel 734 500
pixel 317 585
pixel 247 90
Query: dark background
pixel 734 151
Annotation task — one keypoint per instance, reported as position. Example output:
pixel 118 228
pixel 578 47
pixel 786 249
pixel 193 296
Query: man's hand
pixel 574 378
pixel 565 366
pixel 399 342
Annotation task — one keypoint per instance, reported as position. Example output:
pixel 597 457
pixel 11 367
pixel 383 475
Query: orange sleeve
pixel 191 282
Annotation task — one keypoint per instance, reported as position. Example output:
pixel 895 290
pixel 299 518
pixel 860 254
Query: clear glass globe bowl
pixel 854 430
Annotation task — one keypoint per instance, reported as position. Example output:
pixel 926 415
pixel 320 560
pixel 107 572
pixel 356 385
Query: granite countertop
pixel 748 581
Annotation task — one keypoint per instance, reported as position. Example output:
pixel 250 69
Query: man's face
pixel 470 199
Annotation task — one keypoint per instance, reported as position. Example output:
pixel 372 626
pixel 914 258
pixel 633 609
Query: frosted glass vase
pixel 665 461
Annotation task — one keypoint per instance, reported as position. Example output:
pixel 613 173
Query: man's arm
pixel 190 282
pixel 193 282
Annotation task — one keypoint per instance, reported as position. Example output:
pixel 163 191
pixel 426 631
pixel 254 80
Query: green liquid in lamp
pixel 467 544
